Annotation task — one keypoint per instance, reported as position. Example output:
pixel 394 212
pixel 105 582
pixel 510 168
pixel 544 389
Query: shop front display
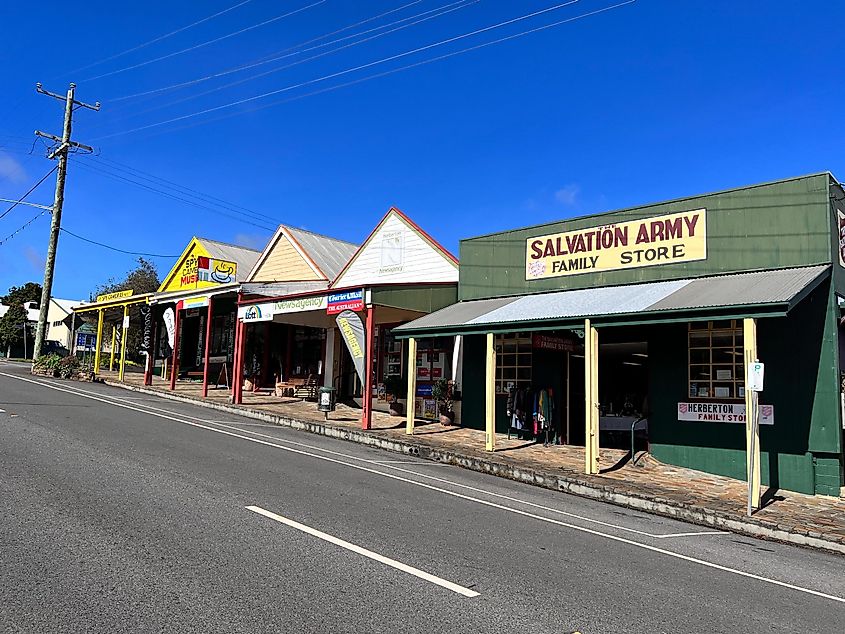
pixel 636 324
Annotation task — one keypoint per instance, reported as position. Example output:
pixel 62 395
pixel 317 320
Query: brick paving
pixel 701 496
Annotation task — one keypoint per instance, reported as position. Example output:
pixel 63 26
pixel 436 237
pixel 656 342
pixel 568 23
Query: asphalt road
pixel 121 512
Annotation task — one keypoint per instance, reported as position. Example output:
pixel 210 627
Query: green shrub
pixel 47 362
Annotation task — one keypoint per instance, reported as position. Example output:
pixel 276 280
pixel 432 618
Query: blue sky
pixel 654 100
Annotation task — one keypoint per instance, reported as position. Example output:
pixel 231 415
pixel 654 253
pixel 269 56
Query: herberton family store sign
pixel 680 237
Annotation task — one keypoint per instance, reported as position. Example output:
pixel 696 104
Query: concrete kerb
pixel 566 484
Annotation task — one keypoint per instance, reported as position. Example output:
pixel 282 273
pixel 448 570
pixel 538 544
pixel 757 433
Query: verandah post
pixel 490 393
pixel 412 384
pixel 752 430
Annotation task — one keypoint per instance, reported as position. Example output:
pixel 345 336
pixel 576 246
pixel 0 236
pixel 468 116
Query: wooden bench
pixel 298 387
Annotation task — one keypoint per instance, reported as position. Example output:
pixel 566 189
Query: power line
pixel 286 52
pixel 107 246
pixel 354 69
pixel 118 169
pixel 462 5
pixel 22 227
pixel 99 170
pixel 177 186
pixel 401 68
pixel 32 189
pixel 158 39
pixel 206 43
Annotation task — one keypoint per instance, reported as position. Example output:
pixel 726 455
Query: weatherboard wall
pixel 775 225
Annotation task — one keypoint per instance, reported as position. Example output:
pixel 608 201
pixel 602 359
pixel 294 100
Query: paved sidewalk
pixel 694 496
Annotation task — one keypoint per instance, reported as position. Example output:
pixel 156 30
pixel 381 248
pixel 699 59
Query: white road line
pixel 583 529
pixel 416 572
pixel 693 534
pixel 427 463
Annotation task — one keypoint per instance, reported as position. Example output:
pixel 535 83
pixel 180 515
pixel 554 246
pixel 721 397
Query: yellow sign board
pixel 197 269
pixel 680 237
pixel 110 297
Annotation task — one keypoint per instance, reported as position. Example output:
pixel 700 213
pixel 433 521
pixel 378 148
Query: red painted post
pixel 367 417
pixel 174 365
pixel 208 319
pixel 239 386
pixel 236 347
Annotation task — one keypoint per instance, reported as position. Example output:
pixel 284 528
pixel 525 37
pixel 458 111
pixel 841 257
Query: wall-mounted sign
pixel 255 312
pixel 549 342
pixel 201 271
pixel 110 297
pixel 194 302
pixel 722 413
pixel 840 216
pixel 351 300
pixel 300 304
pixel 392 253
pixel 680 237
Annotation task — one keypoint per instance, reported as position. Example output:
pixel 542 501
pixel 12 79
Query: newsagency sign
pixel 680 237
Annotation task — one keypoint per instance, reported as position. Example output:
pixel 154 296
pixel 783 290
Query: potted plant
pixel 443 391
pixel 393 387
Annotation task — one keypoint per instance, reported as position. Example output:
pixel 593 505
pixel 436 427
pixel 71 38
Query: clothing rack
pixel 532 410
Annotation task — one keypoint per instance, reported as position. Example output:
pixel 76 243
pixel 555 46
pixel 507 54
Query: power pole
pixel 61 151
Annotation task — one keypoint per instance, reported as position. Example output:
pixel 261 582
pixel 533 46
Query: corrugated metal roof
pixel 280 289
pixel 329 254
pixel 778 286
pixel 244 257
pixel 759 287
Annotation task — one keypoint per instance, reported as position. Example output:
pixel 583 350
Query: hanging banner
pixel 147 338
pixel 350 300
pixel 722 413
pixel 170 324
pixel 669 239
pixel 352 329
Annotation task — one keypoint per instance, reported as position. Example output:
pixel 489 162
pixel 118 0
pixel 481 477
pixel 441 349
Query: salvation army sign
pixel 722 413
pixel 680 237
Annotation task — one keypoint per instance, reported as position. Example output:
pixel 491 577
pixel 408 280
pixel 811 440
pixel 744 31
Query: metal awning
pixel 754 294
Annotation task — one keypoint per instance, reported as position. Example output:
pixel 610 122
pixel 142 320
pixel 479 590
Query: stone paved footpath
pixel 651 486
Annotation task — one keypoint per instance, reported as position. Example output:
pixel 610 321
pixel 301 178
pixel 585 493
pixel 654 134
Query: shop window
pixel 513 362
pixel 715 360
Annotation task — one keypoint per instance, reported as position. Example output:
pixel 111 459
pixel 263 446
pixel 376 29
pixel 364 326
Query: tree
pixel 12 324
pixel 19 295
pixel 141 279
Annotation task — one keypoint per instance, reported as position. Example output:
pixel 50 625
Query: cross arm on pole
pixel 40 88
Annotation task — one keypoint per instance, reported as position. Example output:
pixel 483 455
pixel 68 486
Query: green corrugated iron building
pixel 667 287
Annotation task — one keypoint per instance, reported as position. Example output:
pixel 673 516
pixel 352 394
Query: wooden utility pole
pixel 61 151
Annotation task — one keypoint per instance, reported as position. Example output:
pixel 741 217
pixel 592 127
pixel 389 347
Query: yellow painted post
pixel 591 399
pixel 490 392
pixel 99 342
pixel 123 341
pixel 412 384
pixel 752 430
pixel 113 339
